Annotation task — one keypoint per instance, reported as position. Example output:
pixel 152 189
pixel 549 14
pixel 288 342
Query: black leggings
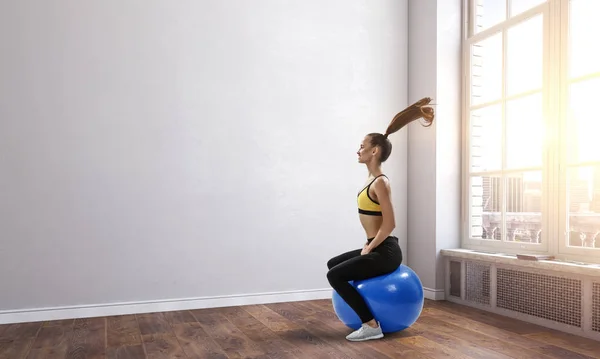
pixel 351 266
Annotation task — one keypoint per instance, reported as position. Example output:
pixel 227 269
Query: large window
pixel 532 126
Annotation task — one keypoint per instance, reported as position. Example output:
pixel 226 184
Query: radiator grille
pixel 544 296
pixel 596 307
pixel 477 283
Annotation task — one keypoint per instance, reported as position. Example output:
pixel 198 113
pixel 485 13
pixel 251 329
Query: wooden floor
pixel 288 330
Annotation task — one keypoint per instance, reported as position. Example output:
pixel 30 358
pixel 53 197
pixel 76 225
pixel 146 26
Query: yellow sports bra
pixel 366 204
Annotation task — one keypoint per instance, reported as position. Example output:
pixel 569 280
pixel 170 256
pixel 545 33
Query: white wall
pixel 434 153
pixel 448 131
pixel 422 82
pixel 147 148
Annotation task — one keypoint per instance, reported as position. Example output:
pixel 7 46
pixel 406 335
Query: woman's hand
pixel 366 249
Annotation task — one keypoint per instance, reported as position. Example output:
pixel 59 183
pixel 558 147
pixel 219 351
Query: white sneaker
pixel 366 332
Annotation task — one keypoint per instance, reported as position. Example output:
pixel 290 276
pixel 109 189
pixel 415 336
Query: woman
pixel 381 254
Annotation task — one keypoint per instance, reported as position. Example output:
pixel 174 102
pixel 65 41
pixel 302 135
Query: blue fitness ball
pixel 395 299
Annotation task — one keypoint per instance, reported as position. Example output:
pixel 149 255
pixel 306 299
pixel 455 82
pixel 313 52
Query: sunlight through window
pixel 533 140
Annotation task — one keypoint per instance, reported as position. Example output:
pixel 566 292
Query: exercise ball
pixel 395 299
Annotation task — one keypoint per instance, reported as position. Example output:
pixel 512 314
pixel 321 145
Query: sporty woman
pixel 381 254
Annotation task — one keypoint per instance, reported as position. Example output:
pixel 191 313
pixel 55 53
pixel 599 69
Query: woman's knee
pixel 330 274
pixel 334 261
pixel 330 263
pixel 333 276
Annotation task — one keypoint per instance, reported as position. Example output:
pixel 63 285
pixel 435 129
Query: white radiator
pixel 568 302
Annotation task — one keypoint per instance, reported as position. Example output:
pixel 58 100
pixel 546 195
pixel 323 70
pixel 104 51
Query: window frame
pixel 563 250
pixel 555 89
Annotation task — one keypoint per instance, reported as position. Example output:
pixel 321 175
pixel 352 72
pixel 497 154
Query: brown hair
pixel 411 113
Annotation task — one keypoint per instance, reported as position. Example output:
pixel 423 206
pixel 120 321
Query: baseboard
pixel 433 294
pixel 101 310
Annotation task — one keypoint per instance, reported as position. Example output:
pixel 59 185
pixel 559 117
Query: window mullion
pixel 553 117
pixel 561 56
pixel 556 117
pixel 503 179
pixel 551 134
pixel 471 17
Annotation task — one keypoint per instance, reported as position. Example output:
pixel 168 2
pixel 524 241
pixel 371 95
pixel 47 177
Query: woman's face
pixel 366 151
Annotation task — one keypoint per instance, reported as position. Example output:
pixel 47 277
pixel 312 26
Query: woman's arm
pixel 383 192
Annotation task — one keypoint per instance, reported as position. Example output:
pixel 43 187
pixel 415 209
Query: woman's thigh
pixel 363 267
pixel 343 257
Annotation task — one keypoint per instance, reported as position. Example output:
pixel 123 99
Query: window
pixel 532 132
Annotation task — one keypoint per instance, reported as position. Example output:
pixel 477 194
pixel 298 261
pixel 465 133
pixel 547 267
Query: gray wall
pixel 148 148
pixel 434 153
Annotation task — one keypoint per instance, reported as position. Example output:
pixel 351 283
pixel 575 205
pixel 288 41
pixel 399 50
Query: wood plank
pixel 122 330
pixel 153 323
pixel 196 343
pixel 17 339
pixel 179 317
pixel 501 343
pixel 325 304
pixel 430 331
pixel 21 330
pixel 477 326
pixel 123 338
pixel 88 340
pixel 230 338
pixel 270 342
pixel 553 351
pixel 431 348
pixel 15 348
pixel 534 349
pixel 162 345
pixel 52 342
pixel 568 342
pixel 126 352
pixel 310 339
pixel 491 319
pixel 158 338
pixel 315 346
pixel 269 318
pixel 53 323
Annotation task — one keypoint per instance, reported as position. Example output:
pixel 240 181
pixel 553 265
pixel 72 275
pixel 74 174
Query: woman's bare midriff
pixel 371 224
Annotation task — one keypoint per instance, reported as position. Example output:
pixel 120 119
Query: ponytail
pixel 413 112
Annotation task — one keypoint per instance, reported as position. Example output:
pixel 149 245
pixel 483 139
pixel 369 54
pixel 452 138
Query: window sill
pixel 557 265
